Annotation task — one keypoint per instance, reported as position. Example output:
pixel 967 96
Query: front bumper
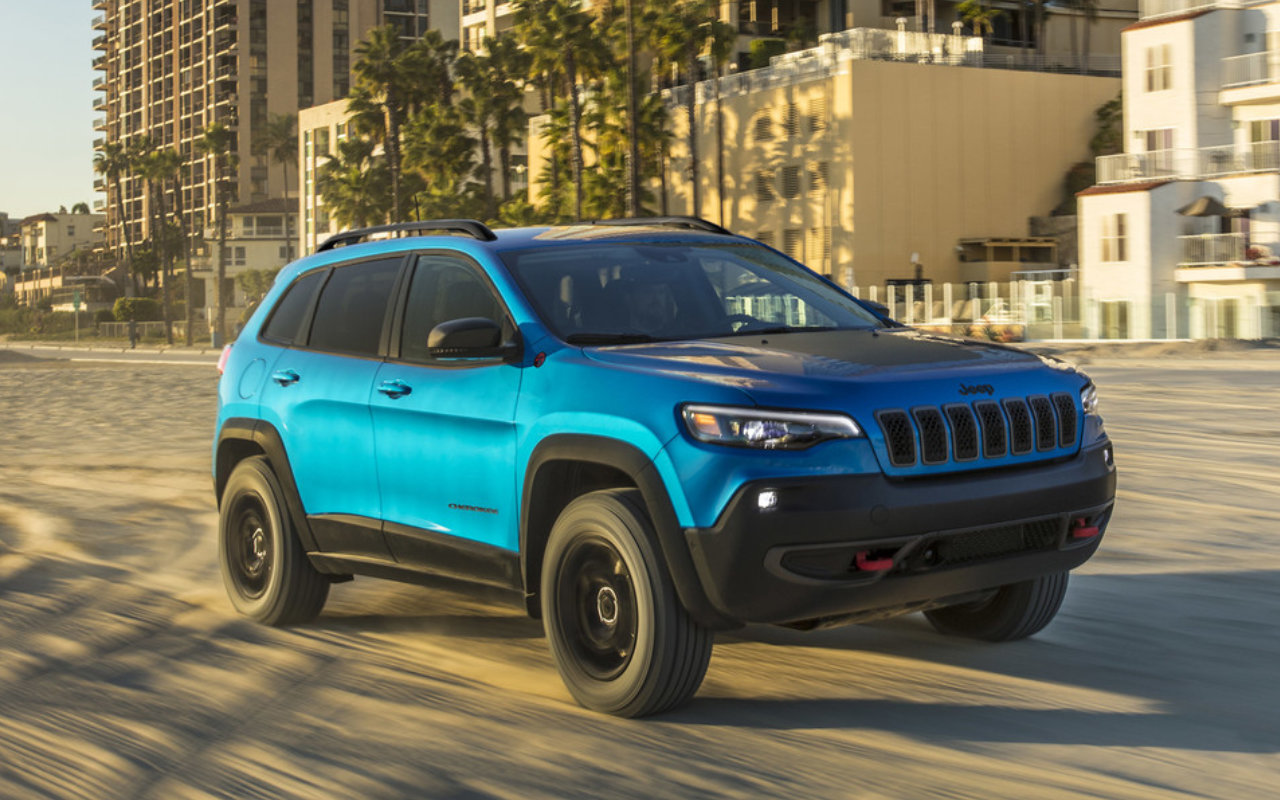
pixel 862 546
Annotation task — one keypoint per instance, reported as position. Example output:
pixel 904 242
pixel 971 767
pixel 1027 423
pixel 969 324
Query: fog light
pixel 767 500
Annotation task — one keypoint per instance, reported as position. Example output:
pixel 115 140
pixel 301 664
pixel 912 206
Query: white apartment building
pixel 261 235
pixel 1181 235
pixel 49 237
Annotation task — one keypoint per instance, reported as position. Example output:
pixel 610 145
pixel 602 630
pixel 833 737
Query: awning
pixel 1211 207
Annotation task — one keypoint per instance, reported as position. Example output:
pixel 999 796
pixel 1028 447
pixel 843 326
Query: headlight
pixel 781 430
pixel 1089 399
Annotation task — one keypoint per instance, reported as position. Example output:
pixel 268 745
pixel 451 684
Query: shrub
pixel 104 315
pixel 139 309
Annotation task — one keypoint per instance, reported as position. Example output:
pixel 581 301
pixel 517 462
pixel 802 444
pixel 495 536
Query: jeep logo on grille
pixel 981 388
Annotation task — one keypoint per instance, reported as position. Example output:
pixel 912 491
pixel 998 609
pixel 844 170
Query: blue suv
pixel 652 429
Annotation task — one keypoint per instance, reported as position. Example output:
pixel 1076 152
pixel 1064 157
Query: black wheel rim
pixel 596 608
pixel 249 550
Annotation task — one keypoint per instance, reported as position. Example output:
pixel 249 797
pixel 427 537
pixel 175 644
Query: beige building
pixel 49 237
pixel 169 68
pixel 260 236
pixel 867 169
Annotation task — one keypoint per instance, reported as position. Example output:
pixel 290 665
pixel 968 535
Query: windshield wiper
pixel 610 338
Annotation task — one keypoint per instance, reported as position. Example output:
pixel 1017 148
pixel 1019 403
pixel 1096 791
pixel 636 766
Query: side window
pixel 287 317
pixel 444 288
pixel 744 293
pixel 353 306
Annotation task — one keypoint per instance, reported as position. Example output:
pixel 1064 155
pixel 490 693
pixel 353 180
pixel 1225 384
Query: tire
pixel 265 571
pixel 1014 612
pixel 623 643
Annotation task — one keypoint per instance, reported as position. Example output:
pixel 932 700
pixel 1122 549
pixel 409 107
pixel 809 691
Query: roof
pixel 46 217
pixel 1151 23
pixel 272 205
pixel 1121 188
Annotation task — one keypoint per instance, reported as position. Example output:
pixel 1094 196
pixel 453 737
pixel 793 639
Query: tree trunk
pixel 393 154
pixel 486 167
pixel 162 262
pixel 220 271
pixel 719 149
pixel 691 63
pixel 575 133
pixel 186 261
pixel 633 120
pixel 504 164
pixel 130 283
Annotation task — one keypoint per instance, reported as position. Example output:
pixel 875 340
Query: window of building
pixel 763 127
pixel 352 307
pixel 817 114
pixel 1264 144
pixel 1114 238
pixel 790 182
pixel 1159 68
pixel 764 186
pixel 793 243
pixel 818 176
pixel 1159 147
pixel 791 120
pixel 238 257
pixel 766 238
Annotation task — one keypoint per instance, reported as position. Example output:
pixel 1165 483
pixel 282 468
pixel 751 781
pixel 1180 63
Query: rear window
pixel 353 306
pixel 285 321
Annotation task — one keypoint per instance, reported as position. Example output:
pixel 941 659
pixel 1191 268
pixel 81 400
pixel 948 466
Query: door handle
pixel 285 377
pixel 395 389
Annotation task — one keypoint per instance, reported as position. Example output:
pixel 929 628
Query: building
pixel 169 68
pixel 260 236
pixel 875 164
pixel 48 238
pixel 1181 235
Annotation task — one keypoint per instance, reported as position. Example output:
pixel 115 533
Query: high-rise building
pixel 169 68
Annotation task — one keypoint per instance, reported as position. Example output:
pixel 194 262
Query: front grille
pixel 988 429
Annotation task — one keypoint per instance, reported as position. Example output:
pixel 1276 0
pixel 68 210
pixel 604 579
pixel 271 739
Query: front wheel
pixel 264 568
pixel 1014 612
pixel 620 638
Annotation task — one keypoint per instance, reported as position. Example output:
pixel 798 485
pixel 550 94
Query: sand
pixel 124 672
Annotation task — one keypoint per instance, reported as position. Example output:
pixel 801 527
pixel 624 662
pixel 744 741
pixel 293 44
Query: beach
pixel 125 673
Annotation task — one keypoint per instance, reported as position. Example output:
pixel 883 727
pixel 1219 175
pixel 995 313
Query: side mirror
pixel 469 337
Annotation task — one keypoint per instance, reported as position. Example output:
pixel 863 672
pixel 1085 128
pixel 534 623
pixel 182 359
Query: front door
pixel 444 428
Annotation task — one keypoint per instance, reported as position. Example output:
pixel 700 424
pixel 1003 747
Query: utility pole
pixel 633 120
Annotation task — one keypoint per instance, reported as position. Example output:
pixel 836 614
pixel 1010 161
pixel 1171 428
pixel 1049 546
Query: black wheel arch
pixel 611 463
pixel 243 437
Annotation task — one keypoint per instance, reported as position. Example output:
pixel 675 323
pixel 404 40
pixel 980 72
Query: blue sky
pixel 46 105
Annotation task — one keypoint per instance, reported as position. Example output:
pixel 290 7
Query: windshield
pixel 633 292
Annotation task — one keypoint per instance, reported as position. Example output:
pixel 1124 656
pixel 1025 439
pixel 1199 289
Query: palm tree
pixel 494 108
pixel 158 167
pixel 439 151
pixel 979 14
pixel 80 208
pixel 354 184
pixel 113 162
pixel 559 33
pixel 379 70
pixel 279 140
pixel 681 36
pixel 219 142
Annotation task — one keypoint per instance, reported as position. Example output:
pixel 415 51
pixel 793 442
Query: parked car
pixel 653 430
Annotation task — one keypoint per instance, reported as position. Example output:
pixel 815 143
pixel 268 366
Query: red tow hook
pixel 1081 529
pixel 865 563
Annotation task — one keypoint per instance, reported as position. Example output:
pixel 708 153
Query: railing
pixel 1246 70
pixel 1211 248
pixel 1164 8
pixel 1204 162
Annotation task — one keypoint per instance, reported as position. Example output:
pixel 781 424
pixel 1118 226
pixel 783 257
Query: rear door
pixel 318 393
pixel 444 428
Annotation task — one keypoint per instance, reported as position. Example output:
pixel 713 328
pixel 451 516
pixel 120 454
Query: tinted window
pixel 629 291
pixel 287 318
pixel 443 288
pixel 352 307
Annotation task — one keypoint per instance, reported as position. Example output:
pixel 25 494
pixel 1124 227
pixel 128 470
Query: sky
pixel 46 105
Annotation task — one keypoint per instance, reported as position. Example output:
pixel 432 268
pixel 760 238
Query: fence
pixel 1042 305
pixel 145 330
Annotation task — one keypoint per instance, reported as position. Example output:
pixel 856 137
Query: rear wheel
pixel 1014 612
pixel 620 638
pixel 264 568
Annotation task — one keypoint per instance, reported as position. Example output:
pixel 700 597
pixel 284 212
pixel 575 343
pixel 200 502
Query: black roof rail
pixel 471 227
pixel 690 223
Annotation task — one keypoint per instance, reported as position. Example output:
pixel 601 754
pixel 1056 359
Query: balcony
pixel 1149 9
pixel 100 124
pixel 100 103
pixel 100 83
pixel 100 42
pixel 100 22
pixel 1205 162
pixel 1212 249
pixel 100 62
